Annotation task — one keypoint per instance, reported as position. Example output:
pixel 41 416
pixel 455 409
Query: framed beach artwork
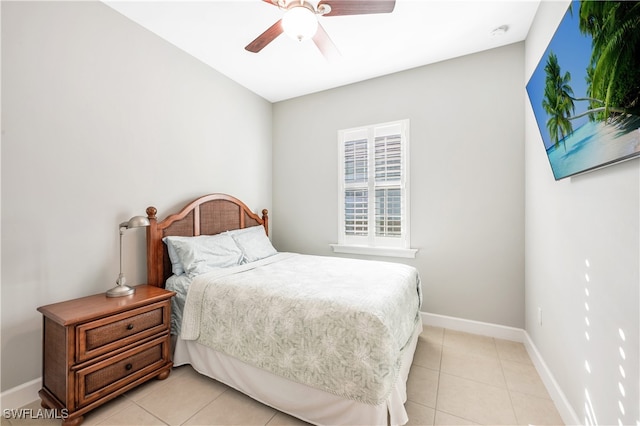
pixel 585 91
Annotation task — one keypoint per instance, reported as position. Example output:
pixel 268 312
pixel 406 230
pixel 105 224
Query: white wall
pixel 92 102
pixel 584 226
pixel 100 119
pixel 467 157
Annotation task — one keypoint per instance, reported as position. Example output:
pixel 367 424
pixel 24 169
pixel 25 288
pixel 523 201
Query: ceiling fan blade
pixel 357 7
pixel 270 2
pixel 325 45
pixel 265 38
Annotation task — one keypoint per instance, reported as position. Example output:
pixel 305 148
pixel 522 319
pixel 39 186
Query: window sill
pixel 375 251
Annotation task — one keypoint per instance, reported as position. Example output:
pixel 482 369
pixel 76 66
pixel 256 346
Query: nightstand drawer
pixel 114 373
pixel 104 335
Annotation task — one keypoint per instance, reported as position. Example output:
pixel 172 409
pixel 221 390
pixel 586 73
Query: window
pixel 374 190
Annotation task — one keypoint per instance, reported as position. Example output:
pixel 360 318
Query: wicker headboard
pixel 207 215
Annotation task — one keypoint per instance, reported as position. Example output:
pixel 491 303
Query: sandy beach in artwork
pixel 595 144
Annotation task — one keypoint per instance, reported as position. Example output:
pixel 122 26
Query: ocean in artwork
pixel 593 145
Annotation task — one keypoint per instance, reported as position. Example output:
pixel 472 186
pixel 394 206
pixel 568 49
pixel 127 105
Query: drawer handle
pixel 130 327
pixel 128 367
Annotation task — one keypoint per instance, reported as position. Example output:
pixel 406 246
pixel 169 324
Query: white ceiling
pixel 416 33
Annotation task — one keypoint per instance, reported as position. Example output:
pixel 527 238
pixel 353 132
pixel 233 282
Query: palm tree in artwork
pixel 558 100
pixel 614 70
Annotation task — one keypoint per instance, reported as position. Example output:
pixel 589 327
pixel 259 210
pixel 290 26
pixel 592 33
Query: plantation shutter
pixel 356 192
pixel 388 194
pixel 373 186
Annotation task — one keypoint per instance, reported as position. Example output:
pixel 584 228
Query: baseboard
pixel 474 327
pixel 569 416
pixel 567 413
pixel 20 395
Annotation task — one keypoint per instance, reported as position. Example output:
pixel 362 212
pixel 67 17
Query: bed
pixel 325 339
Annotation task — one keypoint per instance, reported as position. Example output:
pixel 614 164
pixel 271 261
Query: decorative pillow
pixel 253 242
pixel 204 253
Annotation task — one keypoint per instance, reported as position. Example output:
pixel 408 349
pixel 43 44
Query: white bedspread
pixel 336 324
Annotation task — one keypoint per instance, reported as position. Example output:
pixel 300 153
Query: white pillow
pixel 253 242
pixel 176 266
pixel 205 253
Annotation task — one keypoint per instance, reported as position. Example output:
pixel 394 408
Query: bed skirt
pixel 304 402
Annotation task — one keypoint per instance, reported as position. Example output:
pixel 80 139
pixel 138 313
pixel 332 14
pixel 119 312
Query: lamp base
pixel 120 290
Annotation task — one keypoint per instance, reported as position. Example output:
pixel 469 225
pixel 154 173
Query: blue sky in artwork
pixel 573 50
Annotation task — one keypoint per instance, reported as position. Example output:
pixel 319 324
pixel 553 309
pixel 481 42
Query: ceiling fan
pixel 300 21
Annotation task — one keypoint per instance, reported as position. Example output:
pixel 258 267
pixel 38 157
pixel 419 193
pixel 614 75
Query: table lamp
pixel 121 288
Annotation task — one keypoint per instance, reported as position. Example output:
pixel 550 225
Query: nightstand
pixel 97 347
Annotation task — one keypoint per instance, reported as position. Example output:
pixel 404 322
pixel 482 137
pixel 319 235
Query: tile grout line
pixel 196 412
pixel 435 409
pixel 506 385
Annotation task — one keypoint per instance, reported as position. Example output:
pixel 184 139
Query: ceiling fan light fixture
pixel 300 23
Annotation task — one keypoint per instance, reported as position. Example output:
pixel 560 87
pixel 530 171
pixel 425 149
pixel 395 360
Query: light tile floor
pixel 456 379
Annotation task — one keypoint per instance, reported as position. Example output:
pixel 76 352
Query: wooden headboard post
pixel 153 239
pixel 207 215
pixel 265 220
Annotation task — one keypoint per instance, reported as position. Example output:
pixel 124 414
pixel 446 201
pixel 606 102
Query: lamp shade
pixel 300 23
pixel 137 221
